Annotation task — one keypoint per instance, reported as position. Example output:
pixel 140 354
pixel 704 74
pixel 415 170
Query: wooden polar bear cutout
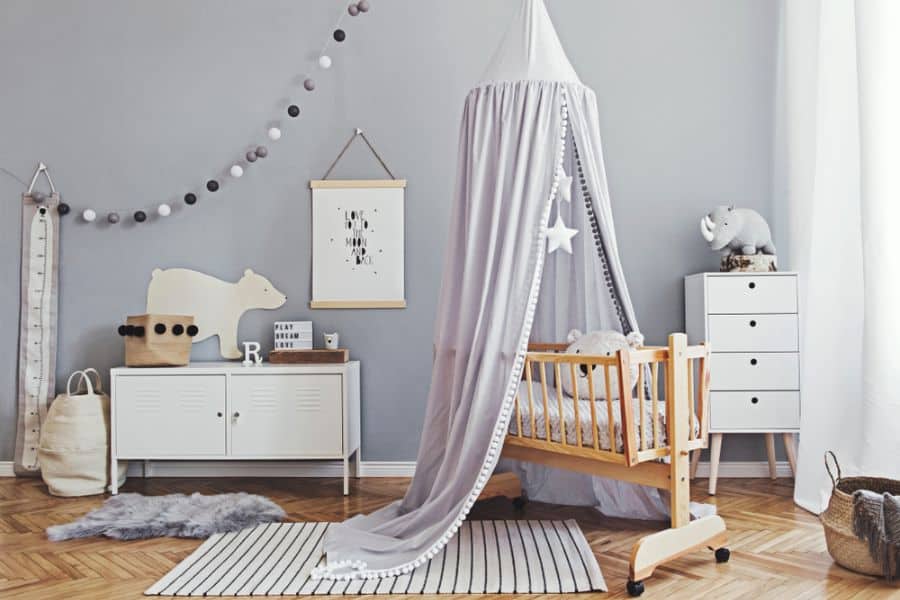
pixel 216 305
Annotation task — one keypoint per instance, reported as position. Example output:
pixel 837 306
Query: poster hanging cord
pixel 357 133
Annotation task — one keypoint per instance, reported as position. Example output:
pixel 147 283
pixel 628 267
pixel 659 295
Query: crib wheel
pixel 722 555
pixel 635 588
pixel 520 502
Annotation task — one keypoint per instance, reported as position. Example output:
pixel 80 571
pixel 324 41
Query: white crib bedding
pixel 584 415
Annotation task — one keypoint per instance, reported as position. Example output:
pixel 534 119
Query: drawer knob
pixel 219 414
pixel 752 323
pixel 236 415
pixel 754 400
pixel 752 285
pixel 753 361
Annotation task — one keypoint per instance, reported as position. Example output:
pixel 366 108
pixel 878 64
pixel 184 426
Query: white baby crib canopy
pixel 530 172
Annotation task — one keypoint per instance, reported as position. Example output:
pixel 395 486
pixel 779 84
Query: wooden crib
pixel 648 453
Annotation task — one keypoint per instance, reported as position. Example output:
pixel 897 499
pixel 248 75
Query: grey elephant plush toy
pixel 598 343
pixel 731 230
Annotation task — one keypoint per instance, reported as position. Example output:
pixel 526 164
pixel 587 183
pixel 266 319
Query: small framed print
pixel 358 243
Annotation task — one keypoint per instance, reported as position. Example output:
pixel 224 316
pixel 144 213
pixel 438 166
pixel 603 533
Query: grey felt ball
pixel 262 151
pixel 353 10
pixel 38 197
pixel 113 217
pixel 309 84
pixel 251 156
pixel 363 5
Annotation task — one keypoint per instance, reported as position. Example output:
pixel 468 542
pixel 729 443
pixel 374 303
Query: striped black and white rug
pixel 276 559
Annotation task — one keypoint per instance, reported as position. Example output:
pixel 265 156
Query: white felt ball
pixel 236 171
pixel 274 133
pixel 88 215
pixel 325 61
pixel 164 210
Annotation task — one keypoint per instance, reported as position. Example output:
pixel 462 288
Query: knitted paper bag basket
pixel 845 548
pixel 74 446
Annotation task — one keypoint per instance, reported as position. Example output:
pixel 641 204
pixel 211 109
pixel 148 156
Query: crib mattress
pixel 584 415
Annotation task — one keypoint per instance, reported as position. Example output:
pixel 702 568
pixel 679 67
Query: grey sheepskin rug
pixel 134 516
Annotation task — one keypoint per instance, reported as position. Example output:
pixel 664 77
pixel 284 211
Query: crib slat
pixel 629 443
pixel 654 396
pixel 595 433
pixel 611 420
pixel 642 431
pixel 704 396
pixel 544 393
pixel 528 367
pixel 518 417
pixel 690 396
pixel 559 403
pixel 575 398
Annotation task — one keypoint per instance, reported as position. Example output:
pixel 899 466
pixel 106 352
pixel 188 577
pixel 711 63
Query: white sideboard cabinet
pixel 752 323
pixel 226 411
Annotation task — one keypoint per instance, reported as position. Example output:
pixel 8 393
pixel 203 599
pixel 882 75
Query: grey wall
pixel 136 103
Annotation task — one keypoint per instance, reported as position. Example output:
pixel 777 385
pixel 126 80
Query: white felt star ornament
pixel 560 236
pixel 565 188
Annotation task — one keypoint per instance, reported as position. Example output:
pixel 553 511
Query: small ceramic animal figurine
pixel 216 305
pixel 731 230
pixel 331 340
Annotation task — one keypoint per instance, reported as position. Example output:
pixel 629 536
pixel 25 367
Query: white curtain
pixel 838 175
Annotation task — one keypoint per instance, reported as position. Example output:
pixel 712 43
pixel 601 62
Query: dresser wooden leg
pixel 695 462
pixel 791 450
pixel 346 476
pixel 715 449
pixel 770 453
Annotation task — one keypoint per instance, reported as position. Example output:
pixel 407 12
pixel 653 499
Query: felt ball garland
pixel 274 133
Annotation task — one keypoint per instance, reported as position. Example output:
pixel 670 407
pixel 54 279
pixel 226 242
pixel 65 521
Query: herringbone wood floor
pixel 778 550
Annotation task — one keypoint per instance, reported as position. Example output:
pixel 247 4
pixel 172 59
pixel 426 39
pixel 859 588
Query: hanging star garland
pixel 565 188
pixel 237 168
pixel 560 236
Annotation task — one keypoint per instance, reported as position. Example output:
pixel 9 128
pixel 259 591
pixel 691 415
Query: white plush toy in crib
pixel 598 343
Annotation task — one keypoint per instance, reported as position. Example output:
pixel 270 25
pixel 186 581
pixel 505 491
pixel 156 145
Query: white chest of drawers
pixel 752 323
pixel 225 411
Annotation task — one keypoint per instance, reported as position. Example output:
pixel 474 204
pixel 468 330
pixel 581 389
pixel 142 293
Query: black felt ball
pixel 122 330
pixel 139 331
pixel 293 110
pixel 63 208
pixel 340 35
pixel 212 185
pixel 192 330
pixel 140 216
pixel 190 199
pixel 159 328
pixel 177 329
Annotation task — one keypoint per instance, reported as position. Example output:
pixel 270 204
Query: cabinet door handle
pixel 753 361
pixel 236 414
pixel 219 414
pixel 751 285
pixel 752 323
pixel 754 400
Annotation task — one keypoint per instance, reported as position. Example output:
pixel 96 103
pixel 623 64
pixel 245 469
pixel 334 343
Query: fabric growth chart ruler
pixel 37 319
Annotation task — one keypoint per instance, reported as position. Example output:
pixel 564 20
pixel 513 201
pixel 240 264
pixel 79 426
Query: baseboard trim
pixel 735 469
pixel 268 468
pixel 749 469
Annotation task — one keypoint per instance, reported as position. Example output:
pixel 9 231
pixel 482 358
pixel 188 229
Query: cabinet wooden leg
pixel 715 450
pixel 113 477
pixel 695 462
pixel 770 453
pixel 791 450
pixel 346 476
pixel 145 469
pixel 356 464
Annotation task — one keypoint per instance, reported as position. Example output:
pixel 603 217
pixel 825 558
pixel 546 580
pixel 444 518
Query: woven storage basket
pixel 845 548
